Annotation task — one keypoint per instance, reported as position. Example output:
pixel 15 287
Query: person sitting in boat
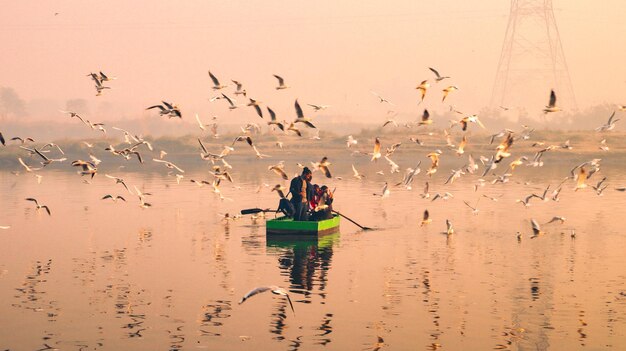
pixel 301 194
pixel 324 208
pixel 317 194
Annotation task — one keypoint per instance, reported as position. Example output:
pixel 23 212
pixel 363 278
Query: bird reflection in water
pixel 306 263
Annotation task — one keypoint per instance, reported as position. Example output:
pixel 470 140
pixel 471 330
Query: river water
pixel 99 275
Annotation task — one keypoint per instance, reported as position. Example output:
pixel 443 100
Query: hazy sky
pixel 330 52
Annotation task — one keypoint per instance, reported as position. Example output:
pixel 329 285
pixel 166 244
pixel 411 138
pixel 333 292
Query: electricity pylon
pixel 532 60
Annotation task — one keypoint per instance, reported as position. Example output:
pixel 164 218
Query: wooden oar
pixel 256 210
pixel 357 224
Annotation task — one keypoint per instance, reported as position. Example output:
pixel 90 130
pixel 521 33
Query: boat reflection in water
pixel 306 260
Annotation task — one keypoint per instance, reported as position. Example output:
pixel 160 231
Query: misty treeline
pixel 22 116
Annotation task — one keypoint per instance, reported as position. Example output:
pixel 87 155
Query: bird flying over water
pixel 38 205
pixel 551 107
pixel 425 219
pixel 273 289
pixel 300 116
pixel 273 120
pixel 536 229
pixel 376 155
pixel 610 124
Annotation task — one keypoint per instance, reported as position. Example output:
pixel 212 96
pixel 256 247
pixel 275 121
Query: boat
pixel 286 226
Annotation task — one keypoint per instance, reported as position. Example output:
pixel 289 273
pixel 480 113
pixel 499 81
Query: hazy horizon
pixel 329 53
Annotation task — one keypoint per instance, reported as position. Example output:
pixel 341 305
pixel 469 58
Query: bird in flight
pixel 38 205
pixel 273 120
pixel 109 196
pixel 425 219
pixel 216 82
pixel 536 229
pixel 423 87
pixel 273 289
pixel 551 107
pixel 382 99
pixel 447 91
pixel 438 77
pixel 376 155
pixel 281 83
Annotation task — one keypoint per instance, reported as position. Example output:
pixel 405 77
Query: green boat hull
pixel 287 226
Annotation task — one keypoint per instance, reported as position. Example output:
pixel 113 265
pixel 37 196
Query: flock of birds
pixel 135 147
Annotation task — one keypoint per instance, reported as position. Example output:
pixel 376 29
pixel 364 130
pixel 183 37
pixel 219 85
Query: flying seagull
pixel 551 107
pixel 272 288
pixel 216 82
pixel 38 205
pixel 281 83
pixel 438 78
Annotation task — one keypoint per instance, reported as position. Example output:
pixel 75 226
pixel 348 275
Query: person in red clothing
pixel 324 207
pixel 315 199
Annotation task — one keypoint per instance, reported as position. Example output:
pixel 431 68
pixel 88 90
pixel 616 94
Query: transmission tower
pixel 532 60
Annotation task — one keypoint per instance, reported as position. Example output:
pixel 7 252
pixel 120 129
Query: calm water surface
pixel 112 276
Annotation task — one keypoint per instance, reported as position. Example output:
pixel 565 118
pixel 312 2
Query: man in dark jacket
pixel 301 193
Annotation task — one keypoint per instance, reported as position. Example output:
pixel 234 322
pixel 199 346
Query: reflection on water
pixel 305 261
pixel 102 275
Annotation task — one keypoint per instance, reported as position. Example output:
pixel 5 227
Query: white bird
pixel 536 229
pixel 385 192
pixel 273 120
pixel 272 288
pixel 351 141
pixel 168 164
pixel 449 229
pixel 258 154
pixel 556 219
pixel 257 107
pixel 356 174
pixel 319 107
pixel 454 175
pixel 438 77
pixel 200 124
pixel 52 145
pixel 231 102
pixel 394 166
pixel 409 175
pixel 88 168
pixel 216 82
pixel 300 116
pixel 240 90
pixel 39 206
pixel 551 107
pixel 382 99
pixel 444 197
pixel 281 83
pixel 118 181
pixel 279 170
pixel 610 125
pixel 423 87
pixel 316 136
pixel 376 154
pixel 426 120
pixel 447 91
pixel 474 208
pixel 603 145
pixel 118 197
pixel 425 219
pixel 28 168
